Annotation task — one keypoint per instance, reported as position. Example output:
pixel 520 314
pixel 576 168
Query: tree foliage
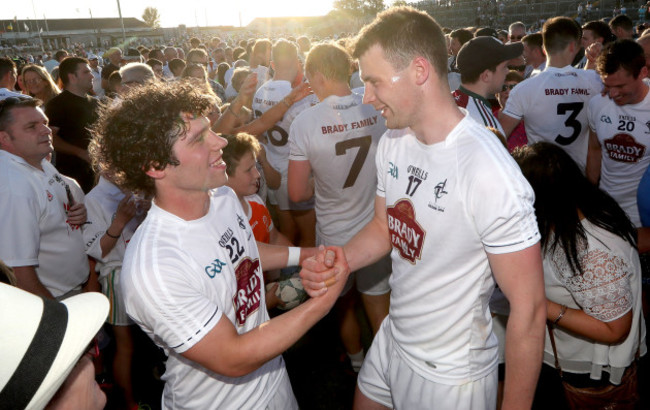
pixel 359 8
pixel 151 17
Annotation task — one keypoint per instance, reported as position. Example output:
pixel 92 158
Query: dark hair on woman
pixel 562 192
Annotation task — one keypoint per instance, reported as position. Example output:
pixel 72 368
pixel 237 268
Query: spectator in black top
pixel 71 112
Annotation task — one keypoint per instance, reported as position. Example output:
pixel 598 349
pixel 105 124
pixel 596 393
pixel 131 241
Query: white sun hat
pixel 41 341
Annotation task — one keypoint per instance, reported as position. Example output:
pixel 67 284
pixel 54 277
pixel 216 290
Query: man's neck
pixel 436 118
pixel 334 88
pixel 76 91
pixel 559 60
pixel 477 88
pixel 185 206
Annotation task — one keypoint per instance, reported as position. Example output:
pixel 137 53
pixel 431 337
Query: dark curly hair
pixel 139 132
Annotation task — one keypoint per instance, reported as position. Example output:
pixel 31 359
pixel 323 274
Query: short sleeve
pixel 168 306
pixel 592 111
pixel 515 105
pixel 501 202
pixel 20 233
pixel 95 229
pixel 380 162
pixel 298 141
pixel 603 291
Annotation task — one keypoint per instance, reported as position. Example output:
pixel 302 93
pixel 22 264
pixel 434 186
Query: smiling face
pixel 623 88
pixel 201 166
pixel 387 89
pixel 245 178
pixel 28 135
pixel 34 83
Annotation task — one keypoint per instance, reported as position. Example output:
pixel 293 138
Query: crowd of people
pixel 484 195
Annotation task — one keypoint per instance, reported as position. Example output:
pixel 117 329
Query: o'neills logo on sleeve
pixel 623 148
pixel 406 234
pixel 247 298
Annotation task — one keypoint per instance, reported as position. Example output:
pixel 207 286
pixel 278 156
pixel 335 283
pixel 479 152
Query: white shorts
pixel 283 399
pixel 280 197
pixel 371 280
pixel 111 288
pixel 387 379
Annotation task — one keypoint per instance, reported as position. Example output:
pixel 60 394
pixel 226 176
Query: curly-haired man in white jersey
pixel 192 273
pixel 450 204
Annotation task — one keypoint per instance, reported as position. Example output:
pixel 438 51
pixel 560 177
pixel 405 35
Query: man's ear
pixel 422 69
pixel 155 173
pixel 4 137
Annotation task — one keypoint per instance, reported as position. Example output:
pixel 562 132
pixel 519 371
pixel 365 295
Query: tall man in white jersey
pixel 619 134
pixel 336 141
pixel 554 103
pixel 296 220
pixel 192 273
pixel 450 204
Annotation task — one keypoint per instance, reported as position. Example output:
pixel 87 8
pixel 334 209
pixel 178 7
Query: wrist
pixel 561 314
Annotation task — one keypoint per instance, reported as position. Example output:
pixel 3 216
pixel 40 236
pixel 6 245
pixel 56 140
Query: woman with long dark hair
pixel 591 271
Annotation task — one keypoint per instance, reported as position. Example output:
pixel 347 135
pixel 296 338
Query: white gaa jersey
pixel 448 204
pixel 179 279
pixel 339 138
pixel 554 107
pixel 277 145
pixel 624 135
pixel 33 224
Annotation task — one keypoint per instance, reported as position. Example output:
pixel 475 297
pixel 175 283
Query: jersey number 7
pixel 364 146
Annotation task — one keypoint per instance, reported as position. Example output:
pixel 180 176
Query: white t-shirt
pixel 101 204
pixel 624 135
pixel 448 204
pixel 262 75
pixel 179 279
pixel 339 138
pixel 554 107
pixel 34 228
pixel 6 93
pixel 609 287
pixel 277 146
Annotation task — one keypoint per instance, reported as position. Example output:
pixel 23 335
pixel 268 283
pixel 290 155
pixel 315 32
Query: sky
pixel 172 12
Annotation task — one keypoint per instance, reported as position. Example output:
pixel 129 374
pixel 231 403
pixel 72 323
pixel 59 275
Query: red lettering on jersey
pixel 624 148
pixel 406 234
pixel 247 298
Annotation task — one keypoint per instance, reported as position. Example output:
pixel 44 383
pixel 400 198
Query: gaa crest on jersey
pixel 247 298
pixel 406 234
pixel 624 148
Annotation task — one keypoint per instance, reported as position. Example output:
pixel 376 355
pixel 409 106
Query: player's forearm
pixel 27 279
pixel 592 171
pixel 524 349
pixel 368 246
pixel 277 257
pixel 277 335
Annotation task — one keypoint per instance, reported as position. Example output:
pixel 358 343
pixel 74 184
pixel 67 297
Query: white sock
pixel 356 360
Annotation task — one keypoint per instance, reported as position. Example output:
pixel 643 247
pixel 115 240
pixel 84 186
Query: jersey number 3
pixel 571 121
pixel 364 146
